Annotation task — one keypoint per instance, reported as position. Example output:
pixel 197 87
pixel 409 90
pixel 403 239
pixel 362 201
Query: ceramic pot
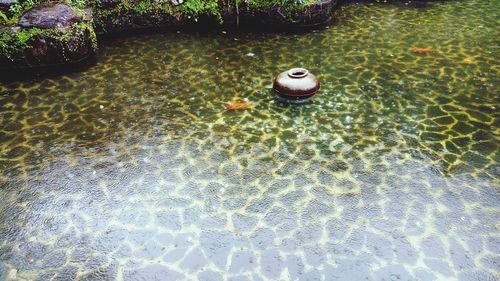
pixel 296 85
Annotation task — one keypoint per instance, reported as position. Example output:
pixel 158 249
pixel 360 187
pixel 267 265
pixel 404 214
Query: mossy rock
pixel 47 40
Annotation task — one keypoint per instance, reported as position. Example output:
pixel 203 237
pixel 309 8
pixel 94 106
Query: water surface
pixel 134 170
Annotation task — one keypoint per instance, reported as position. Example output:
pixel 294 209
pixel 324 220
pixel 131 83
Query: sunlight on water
pixel 134 169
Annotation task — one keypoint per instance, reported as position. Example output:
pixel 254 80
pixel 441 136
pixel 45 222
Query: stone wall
pixel 57 33
pixel 61 33
pixel 116 16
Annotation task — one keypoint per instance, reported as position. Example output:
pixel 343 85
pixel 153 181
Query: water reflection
pixel 134 169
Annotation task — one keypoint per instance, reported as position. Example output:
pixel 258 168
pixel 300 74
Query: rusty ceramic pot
pixel 296 85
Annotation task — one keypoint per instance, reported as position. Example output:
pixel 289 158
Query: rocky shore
pixel 37 34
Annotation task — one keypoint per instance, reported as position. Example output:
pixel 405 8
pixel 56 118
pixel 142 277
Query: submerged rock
pixel 52 15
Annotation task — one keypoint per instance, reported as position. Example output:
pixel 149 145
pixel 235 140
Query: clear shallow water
pixel 133 170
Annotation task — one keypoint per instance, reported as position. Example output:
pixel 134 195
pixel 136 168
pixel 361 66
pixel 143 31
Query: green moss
pixel 196 8
pixel 213 8
pixel 12 45
pixel 288 5
pixel 6 21
pixel 142 7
